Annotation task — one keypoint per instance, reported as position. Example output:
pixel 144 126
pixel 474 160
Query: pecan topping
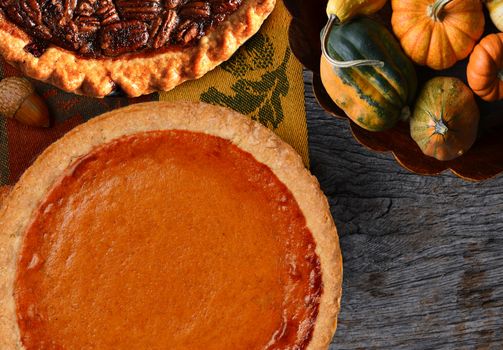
pixel 109 28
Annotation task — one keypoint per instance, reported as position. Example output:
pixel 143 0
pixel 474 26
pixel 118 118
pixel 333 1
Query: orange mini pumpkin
pixel 485 69
pixel 437 33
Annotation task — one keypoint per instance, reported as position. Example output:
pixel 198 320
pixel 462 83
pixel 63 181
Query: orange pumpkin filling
pixel 168 240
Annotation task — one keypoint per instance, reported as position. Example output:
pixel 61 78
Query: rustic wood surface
pixel 423 256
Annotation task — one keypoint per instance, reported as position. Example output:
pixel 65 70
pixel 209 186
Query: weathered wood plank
pixel 423 256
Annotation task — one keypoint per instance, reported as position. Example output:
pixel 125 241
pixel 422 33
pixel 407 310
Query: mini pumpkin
pixel 347 9
pixel 485 68
pixel 445 120
pixel 366 73
pixel 495 8
pixel 437 33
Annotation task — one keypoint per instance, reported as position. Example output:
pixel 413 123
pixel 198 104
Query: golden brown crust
pixel 135 75
pixel 250 136
pixel 4 192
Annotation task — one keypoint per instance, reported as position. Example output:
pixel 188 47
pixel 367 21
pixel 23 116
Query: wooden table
pixel 423 256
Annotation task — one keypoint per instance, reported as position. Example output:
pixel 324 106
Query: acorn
pixel 18 100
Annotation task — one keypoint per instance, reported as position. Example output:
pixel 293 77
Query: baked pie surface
pixel 95 47
pixel 163 226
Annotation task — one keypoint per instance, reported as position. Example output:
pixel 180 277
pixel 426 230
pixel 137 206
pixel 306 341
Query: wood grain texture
pixel 423 256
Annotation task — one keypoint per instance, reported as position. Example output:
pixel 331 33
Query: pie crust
pixel 135 74
pixel 20 206
pixel 4 192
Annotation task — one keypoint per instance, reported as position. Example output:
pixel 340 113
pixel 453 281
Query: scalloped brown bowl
pixel 482 162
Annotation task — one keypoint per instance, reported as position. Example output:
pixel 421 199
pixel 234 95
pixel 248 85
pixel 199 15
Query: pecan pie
pixel 95 47
pixel 164 226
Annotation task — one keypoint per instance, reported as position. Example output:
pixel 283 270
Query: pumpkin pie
pixel 96 47
pixel 168 226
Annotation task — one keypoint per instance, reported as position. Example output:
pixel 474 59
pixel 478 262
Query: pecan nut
pixel 224 6
pixel 187 32
pixel 164 33
pixel 196 9
pixel 140 10
pixel 122 37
